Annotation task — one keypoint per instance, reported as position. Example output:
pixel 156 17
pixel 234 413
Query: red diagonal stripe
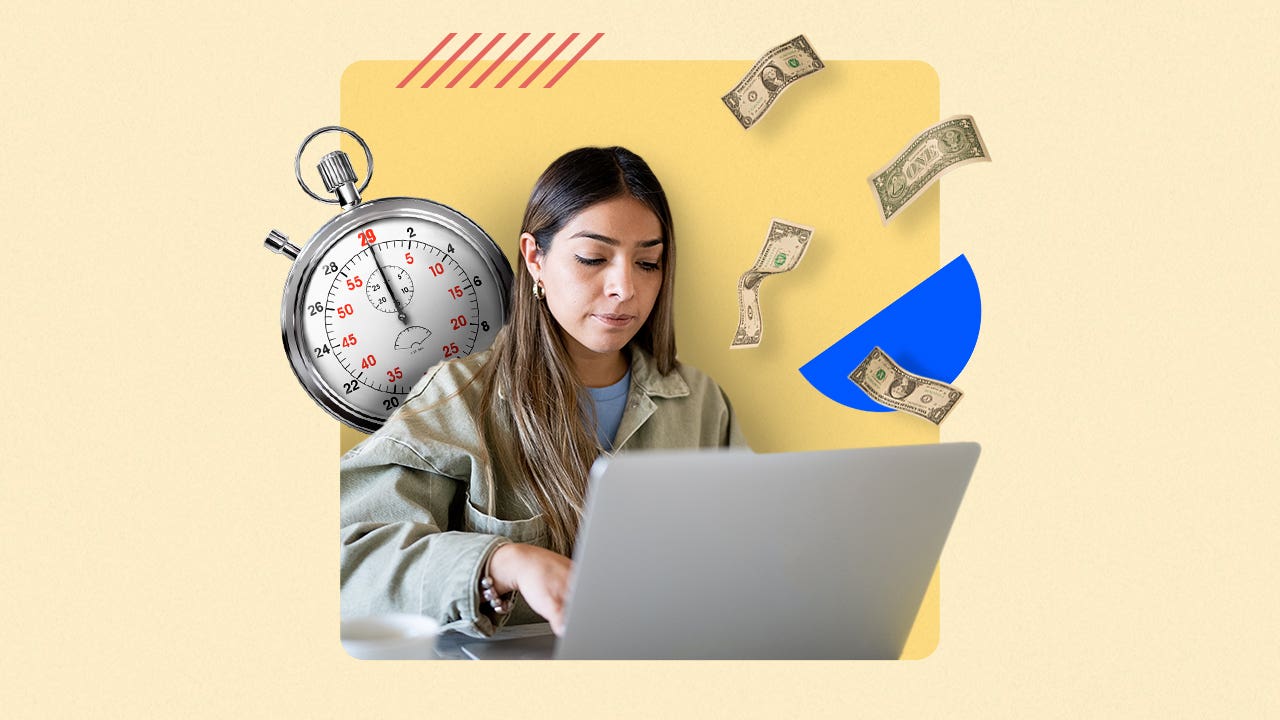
pixel 498 62
pixel 526 59
pixel 475 60
pixel 547 62
pixel 575 59
pixel 449 62
pixel 426 59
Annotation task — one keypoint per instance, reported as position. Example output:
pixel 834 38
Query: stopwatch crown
pixel 339 178
pixel 278 242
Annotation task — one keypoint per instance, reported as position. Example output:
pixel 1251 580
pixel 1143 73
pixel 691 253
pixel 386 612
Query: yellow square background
pixel 479 151
pixel 167 493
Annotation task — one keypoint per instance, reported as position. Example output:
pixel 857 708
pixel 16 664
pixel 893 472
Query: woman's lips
pixel 614 320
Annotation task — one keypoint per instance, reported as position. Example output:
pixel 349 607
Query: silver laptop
pixel 734 555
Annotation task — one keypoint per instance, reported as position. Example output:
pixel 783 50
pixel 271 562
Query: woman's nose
pixel 619 283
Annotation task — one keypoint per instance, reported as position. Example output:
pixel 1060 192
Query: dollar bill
pixel 930 155
pixel 783 248
pixel 888 384
pixel 752 97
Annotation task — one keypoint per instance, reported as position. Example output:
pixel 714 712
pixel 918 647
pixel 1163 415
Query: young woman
pixel 464 506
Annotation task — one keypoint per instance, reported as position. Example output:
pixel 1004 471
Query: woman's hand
pixel 541 575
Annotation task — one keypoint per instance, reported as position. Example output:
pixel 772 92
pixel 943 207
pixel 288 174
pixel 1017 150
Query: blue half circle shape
pixel 929 331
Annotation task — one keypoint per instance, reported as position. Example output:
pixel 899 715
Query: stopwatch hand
pixel 395 301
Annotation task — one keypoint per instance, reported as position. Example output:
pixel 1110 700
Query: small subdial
pixel 380 296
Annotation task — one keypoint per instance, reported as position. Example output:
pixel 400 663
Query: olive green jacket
pixel 422 511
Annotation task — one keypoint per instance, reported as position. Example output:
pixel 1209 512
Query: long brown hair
pixel 530 378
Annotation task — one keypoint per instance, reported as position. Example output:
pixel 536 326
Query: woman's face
pixel 602 273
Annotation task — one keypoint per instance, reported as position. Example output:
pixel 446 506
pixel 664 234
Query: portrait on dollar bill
pixel 772 78
pixel 902 387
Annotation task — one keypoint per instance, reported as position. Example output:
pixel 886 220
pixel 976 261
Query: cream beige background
pixel 167 502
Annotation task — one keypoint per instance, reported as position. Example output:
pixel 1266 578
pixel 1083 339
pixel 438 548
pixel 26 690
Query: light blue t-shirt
pixel 610 402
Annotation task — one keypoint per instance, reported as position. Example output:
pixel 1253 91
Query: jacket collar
pixel 645 376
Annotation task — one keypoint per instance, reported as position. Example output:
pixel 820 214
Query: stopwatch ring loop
pixel 297 161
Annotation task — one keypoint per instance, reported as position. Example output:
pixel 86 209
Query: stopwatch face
pixel 383 292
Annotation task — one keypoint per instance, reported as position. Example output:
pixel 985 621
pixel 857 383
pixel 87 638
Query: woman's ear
pixel 529 252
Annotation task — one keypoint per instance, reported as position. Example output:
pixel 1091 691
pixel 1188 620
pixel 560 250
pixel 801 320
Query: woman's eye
pixel 588 261
pixel 650 266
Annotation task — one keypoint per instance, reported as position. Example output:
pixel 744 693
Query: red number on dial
pixel 450 350
pixel 437 270
pixel 456 291
pixel 368 362
pixel 346 311
pixel 458 322
pixel 367 237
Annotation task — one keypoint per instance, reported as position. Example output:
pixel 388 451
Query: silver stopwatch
pixel 382 292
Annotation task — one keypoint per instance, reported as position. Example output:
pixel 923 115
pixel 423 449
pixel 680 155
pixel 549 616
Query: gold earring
pixel 539 292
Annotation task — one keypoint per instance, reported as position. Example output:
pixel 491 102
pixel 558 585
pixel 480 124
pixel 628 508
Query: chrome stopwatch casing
pixel 381 293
